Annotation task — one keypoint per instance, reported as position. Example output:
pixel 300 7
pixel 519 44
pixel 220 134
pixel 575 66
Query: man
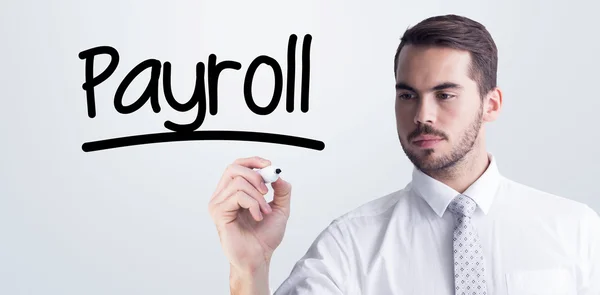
pixel 459 227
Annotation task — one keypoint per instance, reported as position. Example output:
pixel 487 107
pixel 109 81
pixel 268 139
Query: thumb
pixel 281 193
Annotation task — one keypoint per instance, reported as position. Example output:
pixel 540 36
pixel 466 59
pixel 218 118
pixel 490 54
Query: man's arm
pixel 590 279
pixel 249 282
pixel 325 268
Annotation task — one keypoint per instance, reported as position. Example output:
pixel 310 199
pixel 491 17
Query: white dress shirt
pixel 534 243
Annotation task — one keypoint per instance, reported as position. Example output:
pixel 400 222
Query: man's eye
pixel 405 96
pixel 445 96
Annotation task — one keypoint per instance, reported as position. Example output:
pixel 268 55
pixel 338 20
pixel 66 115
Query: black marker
pixel 269 173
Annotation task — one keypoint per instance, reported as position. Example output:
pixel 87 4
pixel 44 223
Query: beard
pixel 424 160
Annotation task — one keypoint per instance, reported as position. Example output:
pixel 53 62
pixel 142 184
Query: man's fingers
pixel 239 200
pixel 236 168
pixel 240 183
pixel 250 175
pixel 252 162
pixel 282 191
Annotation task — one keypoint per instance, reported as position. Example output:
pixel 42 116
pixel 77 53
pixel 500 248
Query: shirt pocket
pixel 551 281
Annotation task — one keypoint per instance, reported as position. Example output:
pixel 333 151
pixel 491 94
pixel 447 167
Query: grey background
pixel 134 220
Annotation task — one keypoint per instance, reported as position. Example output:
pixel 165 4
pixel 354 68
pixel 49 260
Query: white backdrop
pixel 134 220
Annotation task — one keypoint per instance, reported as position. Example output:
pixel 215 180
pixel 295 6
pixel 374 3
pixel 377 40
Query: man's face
pixel 438 106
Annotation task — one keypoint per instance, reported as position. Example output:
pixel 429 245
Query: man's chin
pixel 425 153
pixel 426 159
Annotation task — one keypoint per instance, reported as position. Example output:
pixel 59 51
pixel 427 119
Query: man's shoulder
pixel 380 207
pixel 546 201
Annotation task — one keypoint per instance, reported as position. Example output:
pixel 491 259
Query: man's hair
pixel 460 33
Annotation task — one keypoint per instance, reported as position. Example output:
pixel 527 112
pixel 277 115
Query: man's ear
pixel 492 105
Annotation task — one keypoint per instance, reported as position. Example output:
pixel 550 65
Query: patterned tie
pixel 469 266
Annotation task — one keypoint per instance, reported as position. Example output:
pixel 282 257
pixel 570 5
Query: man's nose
pixel 426 112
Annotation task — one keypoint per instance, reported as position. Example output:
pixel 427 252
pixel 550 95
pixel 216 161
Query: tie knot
pixel 462 205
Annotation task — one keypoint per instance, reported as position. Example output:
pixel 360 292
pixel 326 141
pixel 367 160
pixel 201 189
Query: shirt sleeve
pixel 324 268
pixel 590 279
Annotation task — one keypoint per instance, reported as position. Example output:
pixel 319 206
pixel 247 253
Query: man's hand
pixel 249 228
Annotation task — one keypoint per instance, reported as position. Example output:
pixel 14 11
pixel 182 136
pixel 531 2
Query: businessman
pixel 458 227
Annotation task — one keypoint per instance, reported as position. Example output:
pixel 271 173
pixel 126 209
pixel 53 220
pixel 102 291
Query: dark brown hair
pixel 460 33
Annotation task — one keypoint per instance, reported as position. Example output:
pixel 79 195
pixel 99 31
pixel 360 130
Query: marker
pixel 269 174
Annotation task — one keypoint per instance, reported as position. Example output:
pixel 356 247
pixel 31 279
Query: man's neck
pixel 465 173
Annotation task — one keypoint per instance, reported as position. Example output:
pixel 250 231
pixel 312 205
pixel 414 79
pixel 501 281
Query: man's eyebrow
pixel 404 86
pixel 445 85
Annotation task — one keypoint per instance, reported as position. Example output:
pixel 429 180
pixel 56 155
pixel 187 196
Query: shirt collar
pixel 438 195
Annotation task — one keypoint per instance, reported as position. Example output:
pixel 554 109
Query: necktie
pixel 469 266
